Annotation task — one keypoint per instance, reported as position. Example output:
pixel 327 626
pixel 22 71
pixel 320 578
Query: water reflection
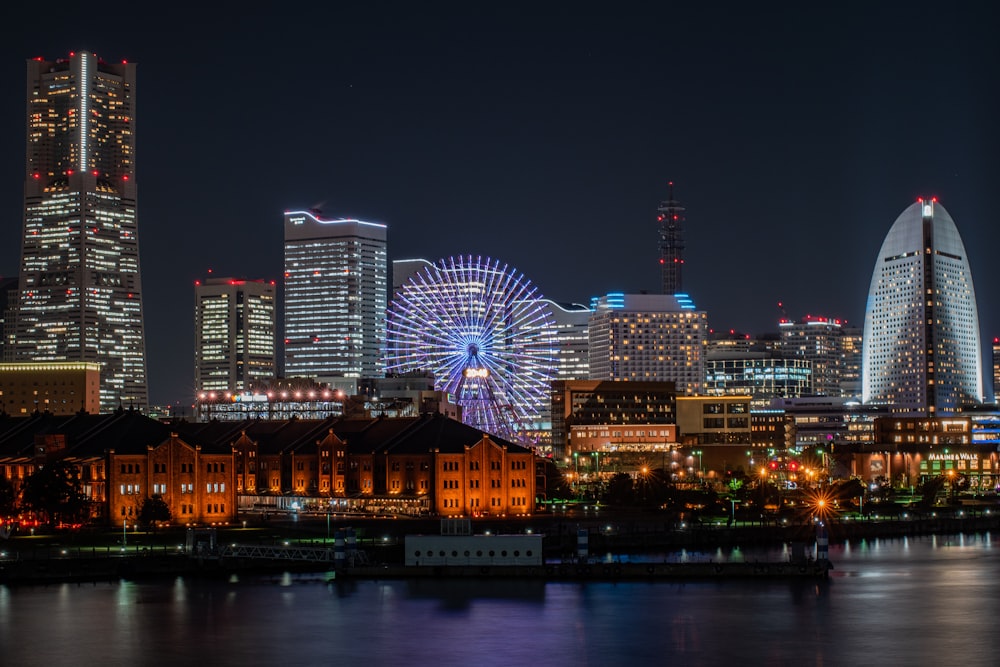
pixel 903 601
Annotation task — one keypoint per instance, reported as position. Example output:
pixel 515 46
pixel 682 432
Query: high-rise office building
pixel 670 216
pixel 234 334
pixel 80 296
pixel 335 296
pixel 996 367
pixel 570 326
pixel 851 345
pixel 8 315
pixel 921 348
pixel 827 344
pixel 649 338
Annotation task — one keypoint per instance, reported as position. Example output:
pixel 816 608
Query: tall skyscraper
pixel 80 297
pixel 234 334
pixel 670 215
pixel 996 367
pixel 921 350
pixel 649 338
pixel 335 296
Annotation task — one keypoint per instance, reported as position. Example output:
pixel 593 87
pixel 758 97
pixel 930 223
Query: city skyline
pixel 546 140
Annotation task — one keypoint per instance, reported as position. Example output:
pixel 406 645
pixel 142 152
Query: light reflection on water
pixel 901 601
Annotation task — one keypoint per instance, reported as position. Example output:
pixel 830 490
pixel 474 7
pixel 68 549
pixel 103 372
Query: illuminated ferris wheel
pixel 485 334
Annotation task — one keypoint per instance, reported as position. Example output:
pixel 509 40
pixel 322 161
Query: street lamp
pixel 576 469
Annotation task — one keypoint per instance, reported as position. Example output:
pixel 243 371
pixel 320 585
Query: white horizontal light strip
pixel 339 220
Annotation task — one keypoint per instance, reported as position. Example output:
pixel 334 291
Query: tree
pixel 620 490
pixel 555 482
pixel 154 509
pixel 53 491
pixel 8 499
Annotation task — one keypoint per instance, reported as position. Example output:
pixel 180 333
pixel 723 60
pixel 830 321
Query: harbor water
pixel 900 601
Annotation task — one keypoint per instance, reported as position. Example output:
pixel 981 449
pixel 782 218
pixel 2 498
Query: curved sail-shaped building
pixel 922 352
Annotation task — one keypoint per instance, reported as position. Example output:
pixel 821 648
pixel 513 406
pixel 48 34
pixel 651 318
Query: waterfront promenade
pixel 90 555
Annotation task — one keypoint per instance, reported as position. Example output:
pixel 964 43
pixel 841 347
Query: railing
pixel 291 553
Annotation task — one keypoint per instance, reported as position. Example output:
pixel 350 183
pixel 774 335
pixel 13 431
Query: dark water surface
pixel 915 601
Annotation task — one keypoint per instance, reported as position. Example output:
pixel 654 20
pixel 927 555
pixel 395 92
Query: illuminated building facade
pixel 826 344
pixel 208 472
pixel 851 346
pixel 234 334
pixel 707 420
pixel 584 403
pixel 8 315
pixel 996 367
pixel 649 338
pixel 335 296
pixel 762 375
pixel 922 352
pixel 56 387
pixel 570 328
pixel 909 451
pixel 80 296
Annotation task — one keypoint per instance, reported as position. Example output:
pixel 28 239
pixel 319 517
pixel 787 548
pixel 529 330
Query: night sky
pixel 542 134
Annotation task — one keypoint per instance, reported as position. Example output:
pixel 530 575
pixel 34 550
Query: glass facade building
pixel 335 296
pixel 921 346
pixel 760 375
pixel 80 297
pixel 234 334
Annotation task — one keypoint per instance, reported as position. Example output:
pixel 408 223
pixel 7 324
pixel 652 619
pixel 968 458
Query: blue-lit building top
pixel 649 338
